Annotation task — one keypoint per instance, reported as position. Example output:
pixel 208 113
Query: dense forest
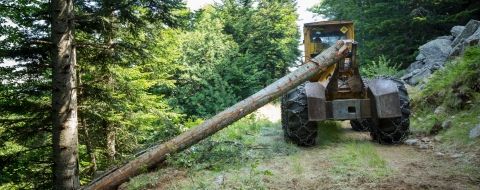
pixel 143 71
pixel 395 29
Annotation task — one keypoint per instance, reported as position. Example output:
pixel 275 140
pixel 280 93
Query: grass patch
pixel 329 132
pixel 252 178
pixel 231 149
pixel 422 121
pixel 359 159
pixel 143 181
pixel 297 166
pixel 228 148
pixel 280 147
pixel 462 122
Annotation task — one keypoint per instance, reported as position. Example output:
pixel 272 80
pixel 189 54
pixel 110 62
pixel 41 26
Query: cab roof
pixel 323 23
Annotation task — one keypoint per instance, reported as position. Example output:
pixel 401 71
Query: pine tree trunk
pixel 157 154
pixel 111 134
pixel 64 97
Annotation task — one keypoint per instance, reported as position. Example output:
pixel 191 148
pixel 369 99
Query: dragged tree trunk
pixel 64 97
pixel 157 154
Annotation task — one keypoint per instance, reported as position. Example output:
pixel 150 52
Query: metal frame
pixel 339 92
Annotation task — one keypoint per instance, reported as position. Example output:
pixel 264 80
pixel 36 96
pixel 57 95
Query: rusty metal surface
pixel 385 98
pixel 346 82
pixel 351 109
pixel 317 110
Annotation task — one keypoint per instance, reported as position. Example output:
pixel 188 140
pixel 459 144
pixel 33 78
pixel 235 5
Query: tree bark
pixel 157 154
pixel 111 138
pixel 64 97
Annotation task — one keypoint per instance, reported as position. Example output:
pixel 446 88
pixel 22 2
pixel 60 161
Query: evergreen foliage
pixel 397 28
pixel 25 95
pixel 111 40
pixel 233 50
pixel 267 36
pixel 144 67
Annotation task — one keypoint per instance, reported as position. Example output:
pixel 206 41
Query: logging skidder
pixel 335 91
pixel 380 106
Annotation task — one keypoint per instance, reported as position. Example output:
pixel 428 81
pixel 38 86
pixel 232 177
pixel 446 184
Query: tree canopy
pixel 396 28
pixel 145 70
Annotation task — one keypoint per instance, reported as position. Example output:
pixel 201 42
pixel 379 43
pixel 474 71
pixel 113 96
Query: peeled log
pixel 158 153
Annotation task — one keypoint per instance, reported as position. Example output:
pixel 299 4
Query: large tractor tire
pixel 361 124
pixel 394 130
pixel 295 124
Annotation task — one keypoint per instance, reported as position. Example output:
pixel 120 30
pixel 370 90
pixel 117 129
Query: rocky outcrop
pixel 434 54
pixel 475 132
pixel 466 37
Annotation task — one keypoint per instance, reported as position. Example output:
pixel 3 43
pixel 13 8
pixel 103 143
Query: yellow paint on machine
pixel 314 45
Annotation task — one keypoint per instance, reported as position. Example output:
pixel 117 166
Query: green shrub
pixel 381 67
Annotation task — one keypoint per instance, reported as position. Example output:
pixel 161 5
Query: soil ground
pixel 351 162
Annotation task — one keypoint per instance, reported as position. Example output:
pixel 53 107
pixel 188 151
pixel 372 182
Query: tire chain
pixel 303 132
pixel 400 124
pixel 295 122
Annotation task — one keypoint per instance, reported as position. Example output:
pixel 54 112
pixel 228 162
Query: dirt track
pixel 335 165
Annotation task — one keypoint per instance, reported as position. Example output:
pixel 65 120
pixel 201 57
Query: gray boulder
pixel 433 55
pixel 446 124
pixel 436 52
pixel 460 43
pixel 415 65
pixel 475 132
pixel 417 76
pixel 446 38
pixel 470 28
pixel 474 39
pixel 457 30
pixel 411 142
pixel 440 110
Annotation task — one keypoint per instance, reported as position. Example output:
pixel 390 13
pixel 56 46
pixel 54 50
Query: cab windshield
pixel 327 39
